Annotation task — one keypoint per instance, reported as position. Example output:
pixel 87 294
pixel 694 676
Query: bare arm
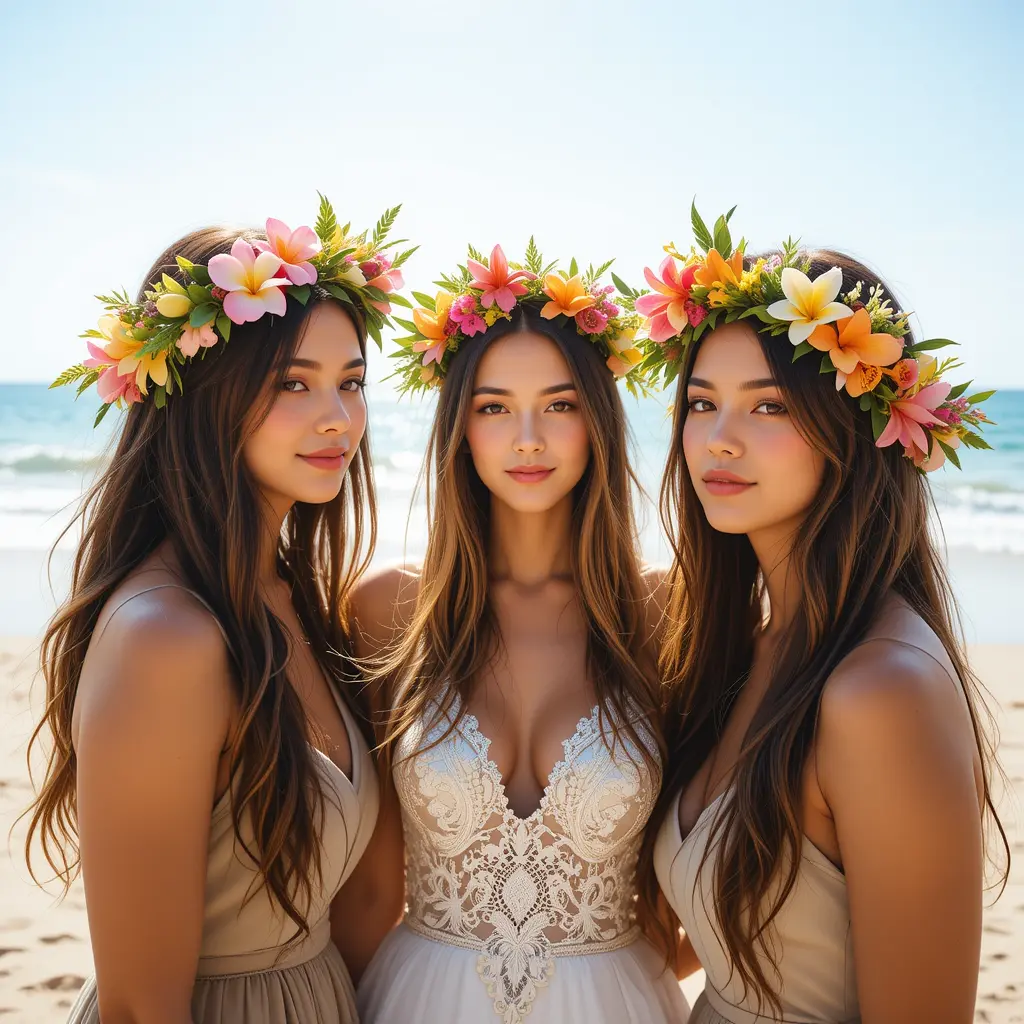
pixel 152 714
pixel 372 900
pixel 896 764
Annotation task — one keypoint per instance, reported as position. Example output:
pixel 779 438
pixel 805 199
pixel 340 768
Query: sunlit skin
pixel 525 431
pixel 302 450
pixel 753 471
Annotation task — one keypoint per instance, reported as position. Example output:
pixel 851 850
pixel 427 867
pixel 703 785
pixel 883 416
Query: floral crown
pixel 487 290
pixel 860 338
pixel 141 345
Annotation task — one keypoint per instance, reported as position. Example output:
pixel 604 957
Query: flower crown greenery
pixel 860 339
pixel 141 345
pixel 486 290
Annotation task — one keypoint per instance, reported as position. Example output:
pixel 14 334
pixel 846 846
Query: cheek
pixel 570 435
pixel 796 468
pixel 694 439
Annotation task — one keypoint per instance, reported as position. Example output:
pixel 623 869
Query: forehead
pixel 329 336
pixel 522 363
pixel 731 354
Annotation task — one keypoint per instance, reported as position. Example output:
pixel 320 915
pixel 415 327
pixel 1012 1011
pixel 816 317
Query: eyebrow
pixel 553 390
pixel 312 364
pixel 747 385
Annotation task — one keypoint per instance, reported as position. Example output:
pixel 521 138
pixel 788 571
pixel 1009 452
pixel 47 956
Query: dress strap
pixel 170 586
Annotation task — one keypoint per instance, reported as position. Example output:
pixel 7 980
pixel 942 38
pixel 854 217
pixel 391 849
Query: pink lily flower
pixel 665 308
pixel 293 248
pixel 111 385
pixel 908 417
pixel 498 284
pixel 248 278
pixel 378 274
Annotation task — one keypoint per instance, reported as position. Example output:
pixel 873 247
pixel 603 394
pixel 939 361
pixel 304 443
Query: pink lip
pixel 722 483
pixel 529 474
pixel 326 458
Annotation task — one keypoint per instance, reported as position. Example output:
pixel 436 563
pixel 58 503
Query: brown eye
pixel 701 405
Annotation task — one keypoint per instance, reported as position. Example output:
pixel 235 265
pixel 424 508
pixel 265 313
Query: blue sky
pixel 891 130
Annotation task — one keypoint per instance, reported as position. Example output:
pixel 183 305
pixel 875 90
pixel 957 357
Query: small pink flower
pixel 665 306
pixel 609 309
pixel 464 314
pixel 194 338
pixel 451 327
pixel 386 279
pixel 694 313
pixel 591 320
pixel 293 248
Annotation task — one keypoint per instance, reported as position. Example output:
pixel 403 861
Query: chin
pixel 538 501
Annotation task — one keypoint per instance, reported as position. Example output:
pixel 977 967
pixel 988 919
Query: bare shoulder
pixel 383 602
pixel 154 653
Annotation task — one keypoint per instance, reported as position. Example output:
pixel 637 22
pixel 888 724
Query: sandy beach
pixel 44 944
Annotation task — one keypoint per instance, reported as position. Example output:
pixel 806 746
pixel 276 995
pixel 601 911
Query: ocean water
pixel 49 451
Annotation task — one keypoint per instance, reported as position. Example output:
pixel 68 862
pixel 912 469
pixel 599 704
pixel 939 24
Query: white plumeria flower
pixel 809 303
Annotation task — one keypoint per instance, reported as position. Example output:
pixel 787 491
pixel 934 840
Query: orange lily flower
pixel 431 323
pixel 567 297
pixel 853 347
pixel 717 270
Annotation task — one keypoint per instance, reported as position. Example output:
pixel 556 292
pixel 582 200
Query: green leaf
pixel 931 345
pixel 601 270
pixel 866 401
pixel 958 390
pixel 399 300
pixel 402 257
pixel 374 331
pixel 184 264
pixel 827 366
pixel 224 327
pixel 87 382
pixel 198 294
pixel 338 292
pixel 203 314
pixel 728 216
pixel 950 453
pixel 979 396
pixel 723 239
pixel 801 350
pixel 103 410
pixel 624 289
pixel 159 398
pixel 300 293
pixel 200 275
pixel 573 269
pixel 72 373
pixel 408 325
pixel 326 222
pixel 700 229
pixel 878 421
pixel 534 260
pixel 385 224
pixel 762 314
pixel 424 300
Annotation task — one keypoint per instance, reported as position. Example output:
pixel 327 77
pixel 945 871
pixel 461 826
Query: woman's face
pixel 525 430
pixel 302 449
pixel 751 468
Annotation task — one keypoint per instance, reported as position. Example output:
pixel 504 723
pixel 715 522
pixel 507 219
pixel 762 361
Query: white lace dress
pixel 509 917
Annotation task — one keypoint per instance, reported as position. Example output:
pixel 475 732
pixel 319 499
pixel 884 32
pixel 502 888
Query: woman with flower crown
pixel 208 773
pixel 821 826
pixel 521 739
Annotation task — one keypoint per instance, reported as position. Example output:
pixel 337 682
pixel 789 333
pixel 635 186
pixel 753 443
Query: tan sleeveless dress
pixel 248 973
pixel 812 933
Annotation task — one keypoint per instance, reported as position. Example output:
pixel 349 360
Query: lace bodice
pixel 522 891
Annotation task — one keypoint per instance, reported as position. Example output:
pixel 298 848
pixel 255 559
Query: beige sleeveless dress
pixel 812 933
pixel 248 973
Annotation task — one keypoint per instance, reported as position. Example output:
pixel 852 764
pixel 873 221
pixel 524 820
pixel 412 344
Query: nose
pixel 723 439
pixel 335 417
pixel 528 440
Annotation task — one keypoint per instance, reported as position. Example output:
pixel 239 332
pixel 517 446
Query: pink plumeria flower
pixel 909 416
pixel 194 338
pixel 498 284
pixel 248 278
pixel 111 385
pixel 293 248
pixel 665 308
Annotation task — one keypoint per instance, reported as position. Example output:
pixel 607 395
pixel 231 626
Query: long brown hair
pixel 454 633
pixel 865 536
pixel 176 475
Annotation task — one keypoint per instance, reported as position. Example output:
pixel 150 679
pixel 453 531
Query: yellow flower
pixel 808 304
pixel 171 304
pixel 124 350
pixel 568 297
pixel 430 322
pixel 719 271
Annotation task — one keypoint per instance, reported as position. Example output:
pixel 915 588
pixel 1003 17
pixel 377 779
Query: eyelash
pixel 483 410
pixel 780 409
pixel 359 382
